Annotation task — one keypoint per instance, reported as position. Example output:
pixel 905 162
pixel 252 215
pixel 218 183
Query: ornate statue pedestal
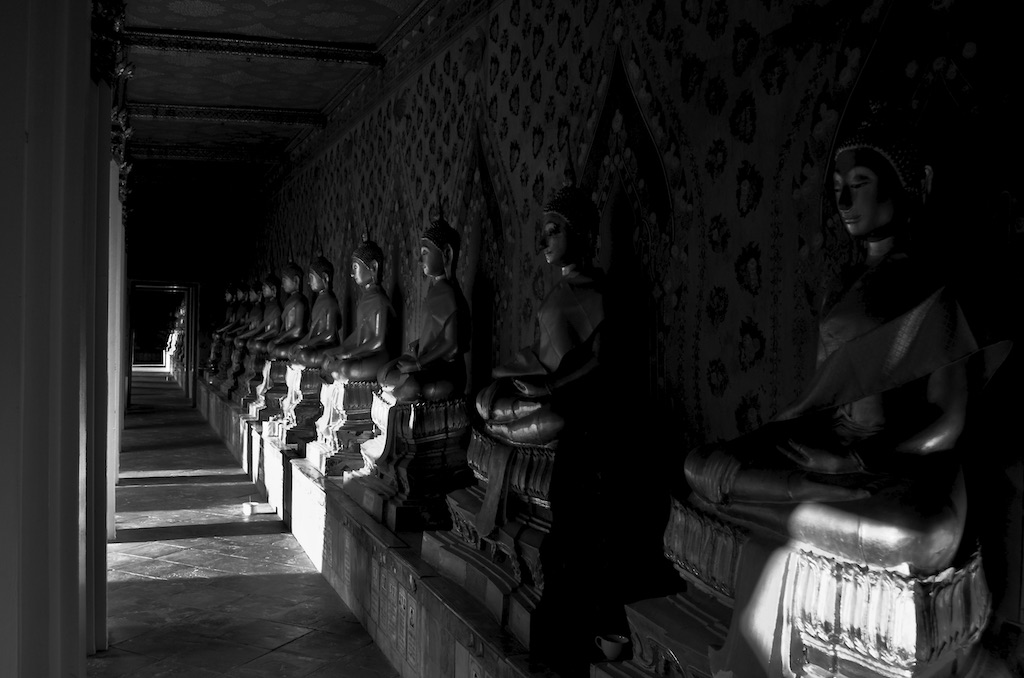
pixel 345 424
pixel 272 391
pixel 815 613
pixel 223 369
pixel 233 380
pixel 249 380
pixel 502 569
pixel 417 459
pixel 301 407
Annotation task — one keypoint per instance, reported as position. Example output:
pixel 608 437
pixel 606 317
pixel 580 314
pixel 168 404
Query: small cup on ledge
pixel 611 644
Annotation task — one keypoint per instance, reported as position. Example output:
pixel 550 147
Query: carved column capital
pixel 110 64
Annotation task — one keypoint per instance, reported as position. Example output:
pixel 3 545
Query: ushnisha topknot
pixel 577 209
pixel 878 133
pixel 323 268
pixel 368 251
pixel 291 270
pixel 440 234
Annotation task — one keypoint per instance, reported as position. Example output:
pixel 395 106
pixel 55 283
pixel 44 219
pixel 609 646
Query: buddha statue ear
pixel 448 257
pixel 374 269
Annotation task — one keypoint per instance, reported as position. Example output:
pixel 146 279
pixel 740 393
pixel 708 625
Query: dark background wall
pixel 704 129
pixel 194 222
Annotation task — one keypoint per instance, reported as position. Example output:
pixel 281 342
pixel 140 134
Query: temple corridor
pixel 198 589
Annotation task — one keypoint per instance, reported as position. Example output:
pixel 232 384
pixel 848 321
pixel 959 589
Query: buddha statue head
pixel 367 262
pixel 439 249
pixel 271 284
pixel 291 277
pixel 880 181
pixel 229 294
pixel 241 291
pixel 570 220
pixel 255 291
pixel 321 273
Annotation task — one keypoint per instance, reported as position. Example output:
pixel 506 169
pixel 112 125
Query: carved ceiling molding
pixel 242 114
pixel 182 152
pixel 242 45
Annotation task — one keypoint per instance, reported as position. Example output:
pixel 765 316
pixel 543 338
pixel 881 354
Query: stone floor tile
pixel 330 646
pixel 116 663
pixel 171 668
pixel 277 664
pixel 369 662
pixel 263 633
pixel 218 654
pixel 195 588
pixel 149 549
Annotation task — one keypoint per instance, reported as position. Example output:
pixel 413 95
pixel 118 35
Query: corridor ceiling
pixel 244 81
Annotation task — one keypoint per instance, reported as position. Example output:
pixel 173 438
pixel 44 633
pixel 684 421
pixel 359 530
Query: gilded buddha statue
pixel 216 336
pixel 254 319
pixel 865 465
pixel 294 314
pixel 434 367
pixel 270 324
pixel 236 313
pixel 365 350
pixel 528 400
pixel 325 318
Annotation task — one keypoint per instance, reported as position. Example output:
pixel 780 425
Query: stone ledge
pixel 424 623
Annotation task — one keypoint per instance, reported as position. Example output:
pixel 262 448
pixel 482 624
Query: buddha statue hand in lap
pixel 434 367
pixel 864 463
pixel 254 320
pixel 529 400
pixel 270 323
pixel 365 350
pixel 294 314
pixel 237 312
pixel 325 318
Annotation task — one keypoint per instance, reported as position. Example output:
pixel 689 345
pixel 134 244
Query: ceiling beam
pixel 242 114
pixel 244 45
pixel 198 153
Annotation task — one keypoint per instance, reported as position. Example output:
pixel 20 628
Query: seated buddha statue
pixel 865 465
pixel 254 320
pixel 324 321
pixel 434 367
pixel 235 295
pixel 270 323
pixel 528 400
pixel 294 314
pixel 216 337
pixel 365 350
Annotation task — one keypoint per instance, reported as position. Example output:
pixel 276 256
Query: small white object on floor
pixel 252 507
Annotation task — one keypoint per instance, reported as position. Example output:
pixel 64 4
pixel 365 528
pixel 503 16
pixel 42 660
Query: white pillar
pixel 117 342
pixel 48 184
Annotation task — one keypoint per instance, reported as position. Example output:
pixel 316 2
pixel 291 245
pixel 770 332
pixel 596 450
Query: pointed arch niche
pixel 630 187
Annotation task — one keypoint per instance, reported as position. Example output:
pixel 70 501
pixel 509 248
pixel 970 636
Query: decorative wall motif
pixel 740 103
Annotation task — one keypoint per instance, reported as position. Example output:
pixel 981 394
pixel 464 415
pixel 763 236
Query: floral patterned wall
pixel 703 127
